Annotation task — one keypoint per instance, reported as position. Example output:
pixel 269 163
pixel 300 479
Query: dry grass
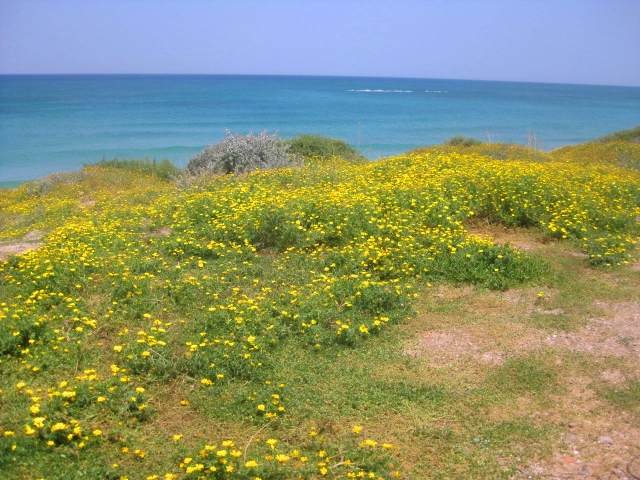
pixel 465 336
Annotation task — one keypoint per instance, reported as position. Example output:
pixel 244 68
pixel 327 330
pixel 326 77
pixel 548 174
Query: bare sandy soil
pixel 597 440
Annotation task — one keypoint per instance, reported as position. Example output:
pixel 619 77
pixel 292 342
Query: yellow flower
pixel 357 429
pixel 58 426
pixel 97 432
pixel 9 433
pixel 177 437
pixel 196 468
pixel 251 464
pixel 282 457
pixel 369 443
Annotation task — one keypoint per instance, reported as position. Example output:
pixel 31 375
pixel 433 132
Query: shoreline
pixel 11 184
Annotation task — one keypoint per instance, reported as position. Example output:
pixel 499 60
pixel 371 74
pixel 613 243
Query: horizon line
pixel 312 75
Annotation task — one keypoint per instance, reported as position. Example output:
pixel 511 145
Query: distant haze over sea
pixel 51 123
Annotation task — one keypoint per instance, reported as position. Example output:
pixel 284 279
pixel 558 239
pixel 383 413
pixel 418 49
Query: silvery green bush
pixel 241 154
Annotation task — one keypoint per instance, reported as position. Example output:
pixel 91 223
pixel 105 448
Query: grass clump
pixel 625 398
pixel 630 135
pixel 318 146
pixel 621 149
pixel 461 141
pixel 163 169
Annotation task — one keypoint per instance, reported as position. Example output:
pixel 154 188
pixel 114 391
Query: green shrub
pixel 163 169
pixel 50 182
pixel 460 141
pixel 310 146
pixel 631 135
pixel 241 154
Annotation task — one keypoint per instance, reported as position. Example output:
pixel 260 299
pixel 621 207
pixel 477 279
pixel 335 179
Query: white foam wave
pixel 436 91
pixel 381 91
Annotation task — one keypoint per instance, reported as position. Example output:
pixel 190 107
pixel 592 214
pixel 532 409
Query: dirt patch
pixel 597 440
pixel 16 249
pixel 597 443
pixel 614 377
pixel 518 238
pixel 446 348
pixel 160 232
pixel 555 311
pixel 618 335
pixel 31 241
pixel 33 236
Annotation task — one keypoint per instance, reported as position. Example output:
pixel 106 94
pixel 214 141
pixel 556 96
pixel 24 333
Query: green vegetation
pixel 630 135
pixel 625 398
pixel 317 146
pixel 241 154
pixel 163 169
pixel 404 318
pixel 460 141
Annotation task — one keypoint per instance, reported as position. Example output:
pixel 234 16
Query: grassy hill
pixel 404 318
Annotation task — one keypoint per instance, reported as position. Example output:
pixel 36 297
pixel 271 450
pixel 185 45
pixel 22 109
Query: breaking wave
pixel 381 91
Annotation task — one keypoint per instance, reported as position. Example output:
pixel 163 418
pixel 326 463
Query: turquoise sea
pixel 51 123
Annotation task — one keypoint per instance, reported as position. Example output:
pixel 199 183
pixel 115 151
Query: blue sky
pixel 564 41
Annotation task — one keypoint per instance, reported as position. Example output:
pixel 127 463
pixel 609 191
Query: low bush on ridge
pixel 630 135
pixel 318 146
pixel 237 153
pixel 460 141
pixel 163 169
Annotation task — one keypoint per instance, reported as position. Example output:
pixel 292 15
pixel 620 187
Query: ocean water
pixel 57 123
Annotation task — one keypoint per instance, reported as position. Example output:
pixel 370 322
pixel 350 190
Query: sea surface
pixel 51 123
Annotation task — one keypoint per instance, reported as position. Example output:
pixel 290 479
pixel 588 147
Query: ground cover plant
pixel 318 146
pixel 262 326
pixel 163 169
pixel 237 153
